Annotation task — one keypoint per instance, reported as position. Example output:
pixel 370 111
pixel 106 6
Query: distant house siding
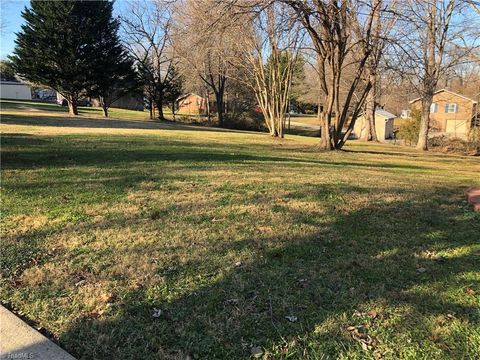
pixel 383 127
pixel 457 120
pixel 15 91
pixel 193 104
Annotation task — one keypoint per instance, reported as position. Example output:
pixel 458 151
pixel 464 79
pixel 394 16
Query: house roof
pixel 187 95
pixel 384 113
pixel 451 92
pixel 13 83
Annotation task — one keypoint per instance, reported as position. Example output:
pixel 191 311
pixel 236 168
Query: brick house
pixel 450 113
pixel 193 104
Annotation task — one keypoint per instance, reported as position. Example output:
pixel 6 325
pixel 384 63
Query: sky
pixel 11 22
pixel 11 19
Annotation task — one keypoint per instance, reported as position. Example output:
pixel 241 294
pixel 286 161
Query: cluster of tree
pixel 7 72
pixel 335 57
pixel 74 48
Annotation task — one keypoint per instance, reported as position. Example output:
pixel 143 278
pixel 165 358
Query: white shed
pixel 15 90
pixel 383 125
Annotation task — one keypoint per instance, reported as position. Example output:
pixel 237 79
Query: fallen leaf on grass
pixel 107 297
pixel 359 334
pixel 470 291
pixel 373 314
pixel 95 314
pixel 80 283
pixel 450 316
pixel 157 312
pixel 291 318
pixel 256 351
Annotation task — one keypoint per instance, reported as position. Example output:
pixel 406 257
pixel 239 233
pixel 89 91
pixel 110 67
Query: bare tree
pixel 341 34
pixel 434 36
pixel 146 27
pixel 269 45
pixel 383 21
pixel 200 26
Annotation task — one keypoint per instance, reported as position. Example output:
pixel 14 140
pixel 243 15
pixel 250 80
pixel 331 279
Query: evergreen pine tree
pixel 66 45
pixel 112 75
pixel 174 88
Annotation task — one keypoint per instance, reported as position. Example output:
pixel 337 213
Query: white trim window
pixel 451 108
pixel 433 108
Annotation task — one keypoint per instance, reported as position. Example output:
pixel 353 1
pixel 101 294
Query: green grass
pixel 230 232
pixel 42 109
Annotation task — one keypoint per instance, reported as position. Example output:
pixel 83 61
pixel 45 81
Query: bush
pixel 251 121
pixel 474 134
pixel 409 130
pixel 454 145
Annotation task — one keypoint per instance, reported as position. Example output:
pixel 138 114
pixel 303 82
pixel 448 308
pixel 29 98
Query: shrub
pixel 454 145
pixel 409 130
pixel 474 134
pixel 245 121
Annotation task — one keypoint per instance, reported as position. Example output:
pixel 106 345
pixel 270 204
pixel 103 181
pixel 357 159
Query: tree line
pixel 255 52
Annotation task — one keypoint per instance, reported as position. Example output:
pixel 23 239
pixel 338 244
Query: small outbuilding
pixel 15 90
pixel 383 125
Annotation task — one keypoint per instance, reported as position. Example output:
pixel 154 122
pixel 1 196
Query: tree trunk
pixel 72 106
pixel 105 110
pixel 159 103
pixel 173 110
pixel 207 106
pixel 150 108
pixel 325 140
pixel 370 132
pixel 422 143
pixel 219 99
pixel 104 107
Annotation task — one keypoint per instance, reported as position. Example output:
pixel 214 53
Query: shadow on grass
pixel 365 259
pixel 106 123
pixel 404 153
pixel 35 151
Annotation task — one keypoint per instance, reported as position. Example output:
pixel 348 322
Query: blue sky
pixel 11 19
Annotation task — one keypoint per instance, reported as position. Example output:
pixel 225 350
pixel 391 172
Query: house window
pixel 451 108
pixel 433 108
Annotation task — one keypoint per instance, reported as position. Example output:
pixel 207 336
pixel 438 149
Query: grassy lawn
pixel 229 233
pixel 36 109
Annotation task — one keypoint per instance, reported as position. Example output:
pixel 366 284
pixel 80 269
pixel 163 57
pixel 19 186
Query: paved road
pixel 310 126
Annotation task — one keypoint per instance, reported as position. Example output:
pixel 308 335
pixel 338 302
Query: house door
pixel 456 127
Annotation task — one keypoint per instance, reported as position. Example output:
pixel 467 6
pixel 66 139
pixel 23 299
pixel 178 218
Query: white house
pixel 383 125
pixel 15 90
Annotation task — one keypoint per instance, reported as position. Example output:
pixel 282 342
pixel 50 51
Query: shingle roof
pixel 451 92
pixel 385 114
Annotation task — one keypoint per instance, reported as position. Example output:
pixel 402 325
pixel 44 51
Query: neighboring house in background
pixel 15 90
pixel 383 125
pixel 193 104
pixel 451 113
